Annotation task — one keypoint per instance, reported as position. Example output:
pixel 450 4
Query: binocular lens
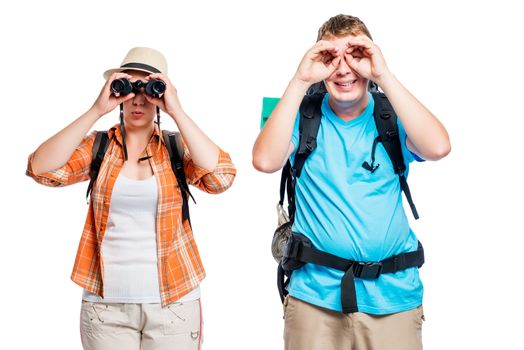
pixel 121 86
pixel 117 85
pixel 157 87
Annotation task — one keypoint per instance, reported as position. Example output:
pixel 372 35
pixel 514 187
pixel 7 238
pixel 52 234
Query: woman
pixel 137 260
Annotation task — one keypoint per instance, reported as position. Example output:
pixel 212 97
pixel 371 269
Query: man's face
pixel 345 85
pixel 138 111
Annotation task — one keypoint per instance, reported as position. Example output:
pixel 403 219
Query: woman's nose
pixel 139 99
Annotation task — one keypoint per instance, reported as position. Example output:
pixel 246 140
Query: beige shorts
pixel 141 326
pixel 309 327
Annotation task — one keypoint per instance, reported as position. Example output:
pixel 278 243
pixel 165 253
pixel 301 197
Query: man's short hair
pixel 342 25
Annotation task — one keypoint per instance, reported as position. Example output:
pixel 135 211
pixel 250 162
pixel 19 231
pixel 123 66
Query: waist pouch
pixel 299 250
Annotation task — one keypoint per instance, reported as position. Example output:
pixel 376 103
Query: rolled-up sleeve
pixel 216 181
pixel 75 170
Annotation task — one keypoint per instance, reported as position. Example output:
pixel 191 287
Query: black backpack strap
pixel 175 149
pixel 283 182
pixel 282 282
pixel 310 116
pixel 317 88
pixel 309 123
pixel 287 185
pixel 388 135
pixel 299 250
pixel 98 152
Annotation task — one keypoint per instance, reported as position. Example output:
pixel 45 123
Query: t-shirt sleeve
pixel 408 155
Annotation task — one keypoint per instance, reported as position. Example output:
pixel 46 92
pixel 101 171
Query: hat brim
pixel 108 73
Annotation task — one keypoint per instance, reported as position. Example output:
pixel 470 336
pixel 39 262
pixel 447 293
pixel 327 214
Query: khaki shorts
pixel 309 327
pixel 115 326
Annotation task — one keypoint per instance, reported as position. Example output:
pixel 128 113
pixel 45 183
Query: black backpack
pixel 385 120
pixel 175 148
pixel 292 251
pixel 310 117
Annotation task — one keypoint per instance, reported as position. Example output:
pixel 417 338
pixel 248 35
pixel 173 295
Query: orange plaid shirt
pixel 180 269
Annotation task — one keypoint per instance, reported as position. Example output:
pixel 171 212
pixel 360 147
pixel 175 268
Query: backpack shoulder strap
pixel 175 149
pixel 310 117
pixel 97 156
pixel 309 123
pixel 386 122
pixel 177 145
pixel 387 127
pixel 287 185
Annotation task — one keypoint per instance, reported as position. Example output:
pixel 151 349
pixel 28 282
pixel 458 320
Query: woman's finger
pixel 122 99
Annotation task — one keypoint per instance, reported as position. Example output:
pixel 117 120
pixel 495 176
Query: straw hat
pixel 143 59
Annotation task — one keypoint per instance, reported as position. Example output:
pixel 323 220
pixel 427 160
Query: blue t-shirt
pixel 348 211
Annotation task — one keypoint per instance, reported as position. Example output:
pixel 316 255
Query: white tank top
pixel 129 245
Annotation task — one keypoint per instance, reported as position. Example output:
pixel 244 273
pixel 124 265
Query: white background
pixel 462 59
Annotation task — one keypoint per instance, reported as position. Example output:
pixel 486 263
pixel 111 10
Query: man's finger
pixel 352 61
pixel 360 42
pixel 336 62
pixel 322 46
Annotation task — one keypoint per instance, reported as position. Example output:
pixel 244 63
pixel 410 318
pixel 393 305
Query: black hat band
pixel 141 66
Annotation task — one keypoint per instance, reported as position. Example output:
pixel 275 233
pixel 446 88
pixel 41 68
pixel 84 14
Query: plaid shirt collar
pixel 116 132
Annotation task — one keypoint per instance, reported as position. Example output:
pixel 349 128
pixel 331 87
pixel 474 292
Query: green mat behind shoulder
pixel 268 105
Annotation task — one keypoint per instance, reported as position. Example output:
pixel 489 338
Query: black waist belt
pixel 299 251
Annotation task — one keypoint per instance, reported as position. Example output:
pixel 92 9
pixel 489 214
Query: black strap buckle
pixel 367 270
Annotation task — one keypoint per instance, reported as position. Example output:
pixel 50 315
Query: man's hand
pixel 318 63
pixel 365 58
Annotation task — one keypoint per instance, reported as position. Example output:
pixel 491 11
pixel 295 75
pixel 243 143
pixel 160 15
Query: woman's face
pixel 138 112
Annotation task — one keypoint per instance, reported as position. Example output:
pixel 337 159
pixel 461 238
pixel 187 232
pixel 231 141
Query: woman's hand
pixel 106 100
pixel 168 101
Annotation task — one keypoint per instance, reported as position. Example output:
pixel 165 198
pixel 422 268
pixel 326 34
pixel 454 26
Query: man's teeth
pixel 347 84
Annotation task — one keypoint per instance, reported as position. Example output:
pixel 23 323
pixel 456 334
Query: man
pixel 346 209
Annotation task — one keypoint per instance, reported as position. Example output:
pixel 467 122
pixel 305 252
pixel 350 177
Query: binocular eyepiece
pixel 122 86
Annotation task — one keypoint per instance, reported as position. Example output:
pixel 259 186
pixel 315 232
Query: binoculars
pixel 153 87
